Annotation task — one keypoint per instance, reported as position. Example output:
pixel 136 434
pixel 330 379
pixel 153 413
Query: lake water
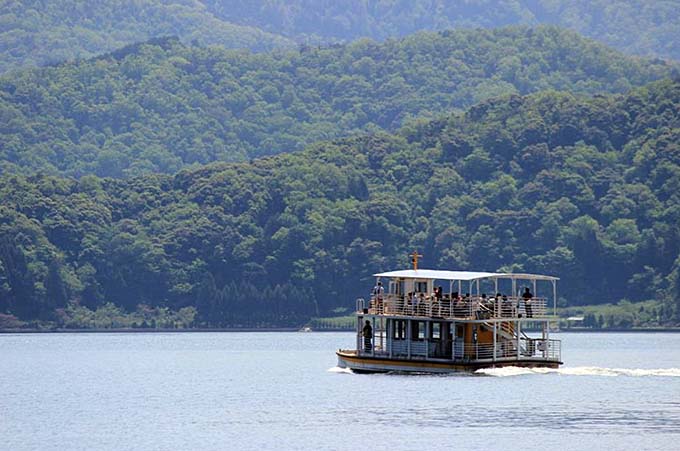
pixel 209 391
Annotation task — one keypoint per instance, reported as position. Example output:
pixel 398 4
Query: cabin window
pixel 420 287
pixel 399 329
pixel 436 331
pixel 417 330
pixel 459 331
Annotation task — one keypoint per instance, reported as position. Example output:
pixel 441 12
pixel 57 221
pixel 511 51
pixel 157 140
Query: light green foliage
pixel 623 315
pixel 108 316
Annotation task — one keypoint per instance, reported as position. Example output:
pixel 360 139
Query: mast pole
pixel 414 259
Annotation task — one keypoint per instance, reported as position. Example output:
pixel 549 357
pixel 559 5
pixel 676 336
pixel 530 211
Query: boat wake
pixel 581 371
pixel 337 369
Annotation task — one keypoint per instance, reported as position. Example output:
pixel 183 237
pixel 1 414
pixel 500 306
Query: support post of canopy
pixel 390 335
pixel 554 284
pixel 533 282
pixel 373 338
pixel 494 341
pixel 408 338
pixel 427 339
pixel 359 334
pixel 519 333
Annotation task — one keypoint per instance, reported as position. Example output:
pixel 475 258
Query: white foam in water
pixel 337 369
pixel 581 371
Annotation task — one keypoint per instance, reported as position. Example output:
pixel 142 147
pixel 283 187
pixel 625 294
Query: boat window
pixel 421 287
pixel 418 330
pixel 399 329
pixel 459 331
pixel 435 331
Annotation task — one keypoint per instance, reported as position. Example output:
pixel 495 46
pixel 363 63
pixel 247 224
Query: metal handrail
pixel 532 348
pixel 470 308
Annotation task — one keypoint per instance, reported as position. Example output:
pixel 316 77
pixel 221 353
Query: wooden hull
pixel 367 364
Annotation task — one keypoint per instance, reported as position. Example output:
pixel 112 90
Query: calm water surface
pixel 206 391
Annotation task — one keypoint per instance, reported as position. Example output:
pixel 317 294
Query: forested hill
pixel 588 190
pixel 650 27
pixel 160 106
pixel 36 32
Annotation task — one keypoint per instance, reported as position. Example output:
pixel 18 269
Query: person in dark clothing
pixel 368 336
pixel 378 292
pixel 527 296
pixel 506 307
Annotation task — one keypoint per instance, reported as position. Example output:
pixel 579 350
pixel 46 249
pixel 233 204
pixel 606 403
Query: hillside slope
pixel 588 190
pixel 160 106
pixel 35 33
pixel 643 28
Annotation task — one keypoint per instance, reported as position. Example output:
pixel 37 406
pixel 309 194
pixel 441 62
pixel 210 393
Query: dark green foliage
pixel 585 189
pixel 162 106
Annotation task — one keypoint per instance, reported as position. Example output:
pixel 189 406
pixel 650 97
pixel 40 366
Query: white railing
pixel 529 348
pixel 505 350
pixel 471 308
pixel 539 348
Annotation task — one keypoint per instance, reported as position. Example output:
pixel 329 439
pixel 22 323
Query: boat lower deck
pixel 375 364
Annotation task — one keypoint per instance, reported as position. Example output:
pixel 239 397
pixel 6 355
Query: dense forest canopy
pixel 35 32
pixel 633 26
pixel 585 189
pixel 161 106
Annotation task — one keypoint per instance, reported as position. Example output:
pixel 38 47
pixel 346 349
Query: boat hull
pixel 368 364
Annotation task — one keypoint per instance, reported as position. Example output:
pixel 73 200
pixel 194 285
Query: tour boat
pixel 412 325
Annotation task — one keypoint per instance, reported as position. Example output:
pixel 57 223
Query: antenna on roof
pixel 414 259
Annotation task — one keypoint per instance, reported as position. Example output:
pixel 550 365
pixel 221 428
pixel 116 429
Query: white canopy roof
pixel 458 275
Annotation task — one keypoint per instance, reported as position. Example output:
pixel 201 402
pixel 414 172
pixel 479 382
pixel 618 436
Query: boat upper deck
pixel 413 292
pixel 461 308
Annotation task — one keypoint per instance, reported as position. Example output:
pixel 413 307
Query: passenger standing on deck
pixel 368 336
pixel 378 292
pixel 527 296
pixel 438 295
pixel 506 307
pixel 414 302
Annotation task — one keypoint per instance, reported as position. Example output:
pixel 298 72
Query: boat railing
pixel 538 349
pixel 529 348
pixel 469 308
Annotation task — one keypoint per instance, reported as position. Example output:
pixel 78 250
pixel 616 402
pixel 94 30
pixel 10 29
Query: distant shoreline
pixel 142 331
pixel 284 329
